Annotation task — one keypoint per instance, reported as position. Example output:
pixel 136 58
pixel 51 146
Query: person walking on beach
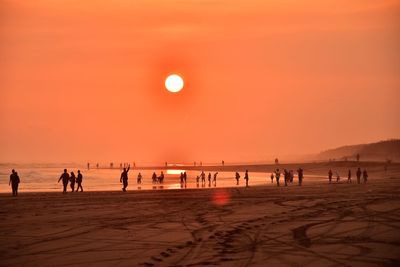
pixel 72 179
pixel 237 177
pixel 197 180
pixel 184 177
pixel 349 177
pixel 215 178
pixel 161 178
pixel 124 178
pixel 209 179
pixel 203 177
pixel 154 177
pixel 272 177
pixel 300 175
pixel 330 174
pixel 285 175
pixel 277 176
pixel 139 178
pixel 365 175
pixel 246 177
pixel 14 182
pixel 65 179
pixel 79 181
pixel 358 174
pixel 181 177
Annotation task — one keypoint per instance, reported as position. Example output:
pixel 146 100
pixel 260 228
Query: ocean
pixel 44 178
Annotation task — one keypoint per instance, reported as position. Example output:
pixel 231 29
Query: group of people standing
pixel 359 174
pixel 71 179
pixel 157 179
pixel 246 178
pixel 202 176
pixel 288 176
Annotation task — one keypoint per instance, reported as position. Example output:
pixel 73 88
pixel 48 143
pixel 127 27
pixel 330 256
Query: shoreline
pixel 272 186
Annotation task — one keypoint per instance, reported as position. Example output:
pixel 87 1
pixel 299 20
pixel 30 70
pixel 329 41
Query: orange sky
pixel 84 81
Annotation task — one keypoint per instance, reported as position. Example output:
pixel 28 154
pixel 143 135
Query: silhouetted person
pixel 330 174
pixel 337 177
pixel 181 177
pixel 209 179
pixel 285 175
pixel 277 176
pixel 124 178
pixel 79 179
pixel 154 177
pixel 365 176
pixel 276 161
pixel 300 174
pixel 291 176
pixel 139 178
pixel 349 177
pixel 14 182
pixel 197 180
pixel 272 177
pixel 72 180
pixel 358 174
pixel 237 177
pixel 185 178
pixel 166 164
pixel 65 179
pixel 88 165
pixel 161 178
pixel 215 178
pixel 111 165
pixel 203 177
pixel 223 163
pixel 246 177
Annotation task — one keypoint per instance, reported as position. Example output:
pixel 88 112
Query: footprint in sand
pixel 165 254
pixel 155 258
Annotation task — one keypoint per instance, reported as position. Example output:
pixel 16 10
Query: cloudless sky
pixel 84 80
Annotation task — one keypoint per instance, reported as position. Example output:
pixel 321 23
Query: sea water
pixel 44 178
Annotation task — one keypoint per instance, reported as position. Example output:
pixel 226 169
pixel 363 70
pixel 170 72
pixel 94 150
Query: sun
pixel 174 83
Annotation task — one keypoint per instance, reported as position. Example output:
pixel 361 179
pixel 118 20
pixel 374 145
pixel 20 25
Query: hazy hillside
pixel 381 151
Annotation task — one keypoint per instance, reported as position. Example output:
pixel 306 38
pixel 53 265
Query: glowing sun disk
pixel 174 83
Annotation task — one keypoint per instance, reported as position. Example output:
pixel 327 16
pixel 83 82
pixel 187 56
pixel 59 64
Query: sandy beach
pixel 318 224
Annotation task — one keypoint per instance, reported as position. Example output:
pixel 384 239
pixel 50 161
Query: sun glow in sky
pixel 84 80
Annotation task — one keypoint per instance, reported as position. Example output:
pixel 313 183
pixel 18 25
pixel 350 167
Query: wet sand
pixel 318 224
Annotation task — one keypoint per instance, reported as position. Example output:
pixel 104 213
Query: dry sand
pixel 313 225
